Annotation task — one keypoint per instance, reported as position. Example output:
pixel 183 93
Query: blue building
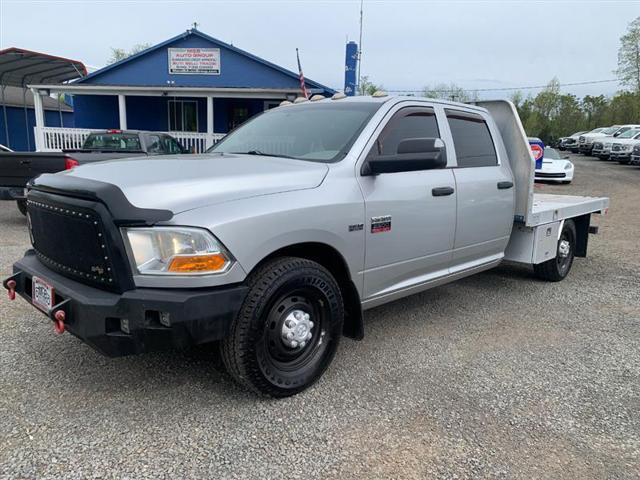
pixel 193 86
pixel 17 117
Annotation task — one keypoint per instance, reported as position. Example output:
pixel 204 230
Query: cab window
pixel 471 139
pixel 409 122
pixel 171 146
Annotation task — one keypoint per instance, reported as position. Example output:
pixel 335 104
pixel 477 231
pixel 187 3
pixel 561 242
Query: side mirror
pixel 616 134
pixel 566 157
pixel 413 154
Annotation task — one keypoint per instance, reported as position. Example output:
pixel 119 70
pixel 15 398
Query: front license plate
pixel 42 294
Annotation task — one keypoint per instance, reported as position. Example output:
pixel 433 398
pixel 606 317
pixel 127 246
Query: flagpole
pixel 360 49
pixel 303 86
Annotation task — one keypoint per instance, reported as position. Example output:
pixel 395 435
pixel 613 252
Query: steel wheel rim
pixel 283 354
pixel 565 253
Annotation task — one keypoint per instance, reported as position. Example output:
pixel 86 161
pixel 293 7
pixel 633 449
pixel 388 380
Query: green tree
pixel 629 57
pixel 449 91
pixel 595 109
pixel 367 87
pixel 118 54
pixel 624 108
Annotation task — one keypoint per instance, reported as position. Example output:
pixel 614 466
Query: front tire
pixel 288 328
pixel 558 268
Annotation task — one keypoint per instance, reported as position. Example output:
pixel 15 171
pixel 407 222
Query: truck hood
pixel 184 182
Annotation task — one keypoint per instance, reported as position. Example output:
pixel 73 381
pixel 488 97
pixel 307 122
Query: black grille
pixel 616 148
pixel 597 146
pixel 72 241
pixel 550 175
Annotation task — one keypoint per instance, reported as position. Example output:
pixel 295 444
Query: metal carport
pixel 18 67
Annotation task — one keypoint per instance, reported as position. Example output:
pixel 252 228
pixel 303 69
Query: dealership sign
pixel 194 61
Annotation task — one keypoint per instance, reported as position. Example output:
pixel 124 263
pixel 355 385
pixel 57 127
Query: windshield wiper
pixel 262 154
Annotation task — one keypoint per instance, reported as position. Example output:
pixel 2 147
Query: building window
pixel 238 116
pixel 183 116
pixel 269 104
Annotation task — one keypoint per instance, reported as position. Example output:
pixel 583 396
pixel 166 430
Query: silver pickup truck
pixel 274 243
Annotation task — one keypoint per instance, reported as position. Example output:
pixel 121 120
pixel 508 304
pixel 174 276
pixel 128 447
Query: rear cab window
pixel 112 141
pixel 471 139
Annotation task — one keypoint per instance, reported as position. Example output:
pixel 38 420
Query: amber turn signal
pixel 212 262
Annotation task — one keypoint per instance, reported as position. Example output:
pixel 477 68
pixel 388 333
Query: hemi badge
pixel 381 224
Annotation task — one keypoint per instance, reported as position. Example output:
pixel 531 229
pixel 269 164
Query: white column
pixel 122 111
pixel 39 111
pixel 209 121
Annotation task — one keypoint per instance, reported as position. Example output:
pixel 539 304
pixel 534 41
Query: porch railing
pixel 59 138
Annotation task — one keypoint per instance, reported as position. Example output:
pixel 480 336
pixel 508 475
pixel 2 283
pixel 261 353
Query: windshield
pixel 597 130
pixel 321 132
pixel 629 133
pixel 610 130
pixel 551 154
pixel 112 141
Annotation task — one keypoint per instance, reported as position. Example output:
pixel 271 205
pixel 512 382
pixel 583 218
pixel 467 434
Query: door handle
pixel 442 191
pixel 504 185
pixel 25 162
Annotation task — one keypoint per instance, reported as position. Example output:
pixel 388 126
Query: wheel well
pixel 333 261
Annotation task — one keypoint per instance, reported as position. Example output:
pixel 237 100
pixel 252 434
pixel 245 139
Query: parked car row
pixel 618 142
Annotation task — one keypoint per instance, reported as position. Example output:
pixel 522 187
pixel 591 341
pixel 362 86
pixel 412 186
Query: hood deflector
pixel 123 212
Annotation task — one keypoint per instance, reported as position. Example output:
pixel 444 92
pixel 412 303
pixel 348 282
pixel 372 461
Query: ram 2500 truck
pixel 17 168
pixel 275 243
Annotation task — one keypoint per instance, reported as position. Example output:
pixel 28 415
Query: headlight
pixel 568 166
pixel 176 251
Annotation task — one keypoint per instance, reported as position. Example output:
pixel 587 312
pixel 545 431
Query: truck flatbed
pixel 547 208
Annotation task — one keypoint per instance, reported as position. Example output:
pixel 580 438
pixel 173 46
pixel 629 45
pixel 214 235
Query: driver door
pixel 410 216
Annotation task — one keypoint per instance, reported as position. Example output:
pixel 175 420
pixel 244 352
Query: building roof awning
pixel 21 97
pixel 172 91
pixel 19 67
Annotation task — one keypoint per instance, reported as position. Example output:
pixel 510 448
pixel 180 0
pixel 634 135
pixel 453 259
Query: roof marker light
pixel 285 102
pixel 379 94
pixel 317 97
pixel 300 100
pixel 338 96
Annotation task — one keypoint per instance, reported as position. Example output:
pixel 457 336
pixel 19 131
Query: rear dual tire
pixel 288 328
pixel 558 268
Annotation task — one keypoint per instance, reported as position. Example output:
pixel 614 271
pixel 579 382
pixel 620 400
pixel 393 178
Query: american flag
pixel 303 87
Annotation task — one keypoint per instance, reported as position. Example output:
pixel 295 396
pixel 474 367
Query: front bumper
pixel 12 193
pixel 95 316
pixel 586 147
pixel 621 156
pixel 635 160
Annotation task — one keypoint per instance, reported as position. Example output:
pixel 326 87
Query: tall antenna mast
pixel 360 50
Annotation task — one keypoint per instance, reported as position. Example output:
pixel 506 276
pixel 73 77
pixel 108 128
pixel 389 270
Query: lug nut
pixel 302 344
pixel 290 335
pixel 294 344
pixel 308 336
pixel 290 323
pixel 310 324
pixel 298 315
pixel 306 316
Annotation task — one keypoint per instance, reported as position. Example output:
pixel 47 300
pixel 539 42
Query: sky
pixel 407 45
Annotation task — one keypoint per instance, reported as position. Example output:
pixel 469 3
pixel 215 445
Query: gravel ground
pixel 497 375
